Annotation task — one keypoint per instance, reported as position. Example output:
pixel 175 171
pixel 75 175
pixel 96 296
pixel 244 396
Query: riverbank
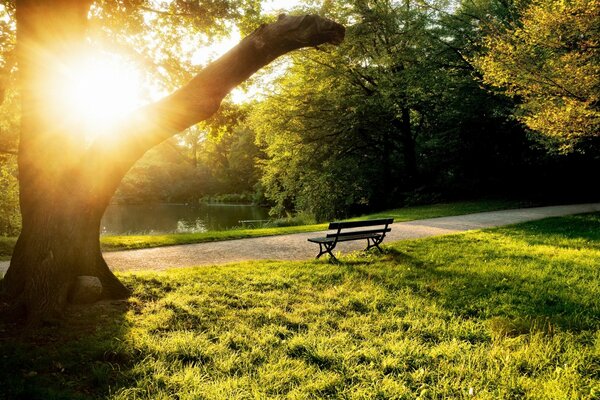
pixel 130 242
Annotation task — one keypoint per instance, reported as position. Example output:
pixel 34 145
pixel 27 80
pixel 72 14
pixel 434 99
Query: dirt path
pixel 296 247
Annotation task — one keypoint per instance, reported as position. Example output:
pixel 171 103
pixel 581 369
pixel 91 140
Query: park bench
pixel 346 231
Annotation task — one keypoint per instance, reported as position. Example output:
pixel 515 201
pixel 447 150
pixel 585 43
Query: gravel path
pixel 296 246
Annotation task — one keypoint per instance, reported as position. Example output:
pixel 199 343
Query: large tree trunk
pixel 65 186
pixel 58 244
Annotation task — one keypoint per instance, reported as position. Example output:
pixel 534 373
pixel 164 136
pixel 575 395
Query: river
pixel 176 218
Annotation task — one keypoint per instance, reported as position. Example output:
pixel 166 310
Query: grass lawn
pixel 506 313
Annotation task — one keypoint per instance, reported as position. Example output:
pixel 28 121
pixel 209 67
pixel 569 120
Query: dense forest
pixel 425 101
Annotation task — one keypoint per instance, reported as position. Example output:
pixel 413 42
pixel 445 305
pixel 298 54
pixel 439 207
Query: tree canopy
pixel 394 115
pixel 548 60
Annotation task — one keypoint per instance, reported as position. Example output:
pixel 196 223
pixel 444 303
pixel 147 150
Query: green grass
pixel 7 244
pixel 128 242
pixel 110 243
pixel 446 209
pixel 507 313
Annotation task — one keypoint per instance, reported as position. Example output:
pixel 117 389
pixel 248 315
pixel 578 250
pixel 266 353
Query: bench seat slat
pixel 344 238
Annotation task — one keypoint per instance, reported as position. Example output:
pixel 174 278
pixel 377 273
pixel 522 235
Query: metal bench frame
pixel 374 236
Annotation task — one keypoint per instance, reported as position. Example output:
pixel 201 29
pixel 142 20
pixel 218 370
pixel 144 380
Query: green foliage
pixel 548 60
pixel 499 314
pixel 300 219
pixel 10 217
pixel 212 159
pixel 231 198
pixel 329 128
pixel 393 116
pixel 229 151
pixel 163 174
pixel 156 35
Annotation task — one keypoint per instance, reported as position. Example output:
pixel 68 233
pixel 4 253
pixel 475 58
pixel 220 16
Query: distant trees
pixel 218 156
pixel 393 116
pixel 350 141
pixel 548 59
pixel 10 218
pixel 229 152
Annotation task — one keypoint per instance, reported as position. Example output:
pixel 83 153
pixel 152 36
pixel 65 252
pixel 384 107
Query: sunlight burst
pixel 99 91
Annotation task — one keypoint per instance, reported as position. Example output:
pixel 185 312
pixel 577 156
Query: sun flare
pixel 98 91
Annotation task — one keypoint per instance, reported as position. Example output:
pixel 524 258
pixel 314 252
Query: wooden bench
pixel 374 236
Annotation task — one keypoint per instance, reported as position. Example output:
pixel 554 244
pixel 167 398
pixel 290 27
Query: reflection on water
pixel 180 218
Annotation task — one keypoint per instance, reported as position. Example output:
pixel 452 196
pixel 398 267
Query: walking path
pixel 296 246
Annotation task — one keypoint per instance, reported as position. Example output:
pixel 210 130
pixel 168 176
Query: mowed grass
pixel 128 242
pixel 507 313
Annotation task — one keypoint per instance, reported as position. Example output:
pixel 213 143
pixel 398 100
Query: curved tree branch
pixel 108 160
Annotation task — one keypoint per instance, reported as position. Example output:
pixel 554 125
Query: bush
pixel 10 216
pixel 236 198
pixel 302 218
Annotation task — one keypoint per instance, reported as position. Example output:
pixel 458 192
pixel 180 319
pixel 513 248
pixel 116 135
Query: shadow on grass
pixel 573 231
pixel 82 358
pixel 526 296
pixel 513 279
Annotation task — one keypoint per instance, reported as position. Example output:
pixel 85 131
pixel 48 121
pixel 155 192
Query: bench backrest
pixel 359 224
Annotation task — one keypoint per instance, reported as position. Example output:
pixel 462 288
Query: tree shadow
pixel 560 231
pixel 80 357
pixel 519 302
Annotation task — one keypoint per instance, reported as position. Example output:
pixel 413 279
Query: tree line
pixel 424 101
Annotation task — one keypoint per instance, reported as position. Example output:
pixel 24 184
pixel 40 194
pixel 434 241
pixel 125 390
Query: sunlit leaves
pixel 549 60
pixel 163 36
pixel 10 218
pixel 345 127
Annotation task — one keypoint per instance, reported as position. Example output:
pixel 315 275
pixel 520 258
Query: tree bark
pixel 408 143
pixel 65 187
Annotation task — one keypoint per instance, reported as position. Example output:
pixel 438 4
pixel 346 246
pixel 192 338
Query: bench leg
pixel 326 248
pixel 376 243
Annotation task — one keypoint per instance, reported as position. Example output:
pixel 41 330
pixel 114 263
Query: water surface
pixel 176 218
